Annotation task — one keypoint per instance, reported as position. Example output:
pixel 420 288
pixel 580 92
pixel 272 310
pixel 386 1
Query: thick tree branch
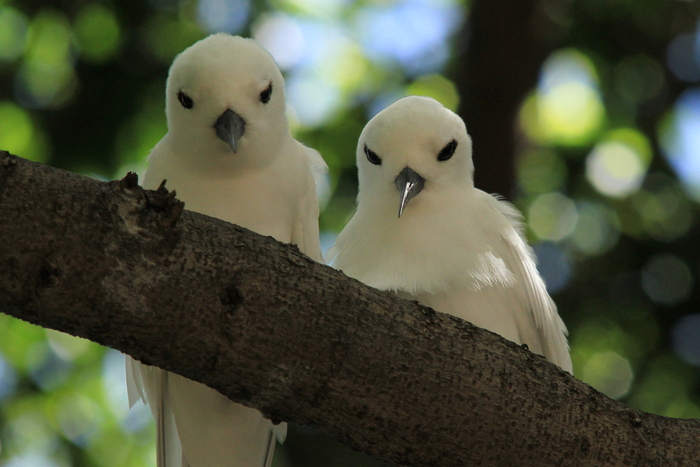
pixel 266 326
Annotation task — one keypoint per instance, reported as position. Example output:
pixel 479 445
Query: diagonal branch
pixel 268 327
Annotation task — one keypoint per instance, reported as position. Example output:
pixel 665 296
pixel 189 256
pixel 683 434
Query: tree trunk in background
pixel 504 48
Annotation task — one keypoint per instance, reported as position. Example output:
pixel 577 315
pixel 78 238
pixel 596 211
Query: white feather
pixel 455 248
pixel 267 186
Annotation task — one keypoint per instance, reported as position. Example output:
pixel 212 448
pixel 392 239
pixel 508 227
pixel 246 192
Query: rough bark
pixel 266 326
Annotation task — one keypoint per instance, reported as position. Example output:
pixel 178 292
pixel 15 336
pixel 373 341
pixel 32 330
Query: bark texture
pixel 266 326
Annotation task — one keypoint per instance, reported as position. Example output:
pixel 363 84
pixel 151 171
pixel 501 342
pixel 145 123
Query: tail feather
pixel 216 431
pixel 270 449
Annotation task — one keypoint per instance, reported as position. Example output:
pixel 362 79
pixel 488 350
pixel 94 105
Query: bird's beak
pixel 409 184
pixel 230 128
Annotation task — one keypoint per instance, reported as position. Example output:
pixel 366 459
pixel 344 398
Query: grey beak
pixel 409 184
pixel 230 128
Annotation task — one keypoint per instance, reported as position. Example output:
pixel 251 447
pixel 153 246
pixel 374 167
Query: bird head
pixel 414 150
pixel 226 94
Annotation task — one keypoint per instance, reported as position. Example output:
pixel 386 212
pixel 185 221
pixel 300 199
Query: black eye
pixel 372 156
pixel 185 100
pixel 447 151
pixel 265 95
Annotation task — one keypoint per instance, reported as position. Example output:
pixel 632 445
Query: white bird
pixel 228 154
pixel 424 231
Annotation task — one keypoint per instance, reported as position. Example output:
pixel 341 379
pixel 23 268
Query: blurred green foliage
pixel 607 175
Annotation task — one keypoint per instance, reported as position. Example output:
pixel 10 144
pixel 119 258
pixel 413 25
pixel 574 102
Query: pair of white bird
pixel 421 228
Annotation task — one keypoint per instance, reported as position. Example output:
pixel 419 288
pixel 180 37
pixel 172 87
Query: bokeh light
pixel 438 87
pixel 617 165
pixel 13 33
pixel 667 280
pixel 639 78
pixel 597 229
pixel 554 265
pixel 662 208
pixel 686 338
pixel 8 379
pixel 552 216
pixel 46 78
pixel 680 140
pixel 314 100
pixel 412 32
pixel 97 32
pixel 541 170
pixel 19 135
pixel 666 388
pixel 609 373
pixel 683 57
pixel 322 9
pixel 167 36
pixel 223 15
pixel 281 35
pixel 567 108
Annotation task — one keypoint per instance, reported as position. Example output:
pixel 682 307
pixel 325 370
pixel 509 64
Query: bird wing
pixel 530 289
pixel 216 431
pixel 134 382
pixel 306 235
pixel 319 170
pixel 150 384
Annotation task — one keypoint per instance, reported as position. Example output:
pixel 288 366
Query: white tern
pixel 228 154
pixel 424 231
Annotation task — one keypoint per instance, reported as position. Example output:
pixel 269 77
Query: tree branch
pixel 266 326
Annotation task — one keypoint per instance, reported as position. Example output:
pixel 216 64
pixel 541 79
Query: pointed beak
pixel 409 184
pixel 230 128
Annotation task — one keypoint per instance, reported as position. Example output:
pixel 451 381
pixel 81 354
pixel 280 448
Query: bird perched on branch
pixel 424 231
pixel 229 154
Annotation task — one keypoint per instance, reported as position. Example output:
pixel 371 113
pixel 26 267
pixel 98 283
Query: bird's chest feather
pixel 430 253
pixel 259 200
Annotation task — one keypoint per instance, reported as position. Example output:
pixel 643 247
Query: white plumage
pixel 228 154
pixel 453 248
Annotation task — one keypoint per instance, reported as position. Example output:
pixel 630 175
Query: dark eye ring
pixel 185 100
pixel 372 156
pixel 266 94
pixel 448 151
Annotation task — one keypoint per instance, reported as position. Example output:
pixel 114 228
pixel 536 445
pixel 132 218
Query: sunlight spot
pixel 552 216
pixel 683 57
pixel 569 108
pixel 615 169
pixel 280 35
pixel 46 79
pixel 313 99
pixel 554 265
pixel 327 9
pixel 97 31
pixel 609 373
pixel 438 87
pixel 223 15
pixel 346 67
pixel 680 140
pixel 541 171
pixel 686 338
pixel 597 229
pixel 667 280
pixel 13 33
pixel 413 33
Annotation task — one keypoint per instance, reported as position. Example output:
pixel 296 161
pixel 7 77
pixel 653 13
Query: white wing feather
pixel 531 291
